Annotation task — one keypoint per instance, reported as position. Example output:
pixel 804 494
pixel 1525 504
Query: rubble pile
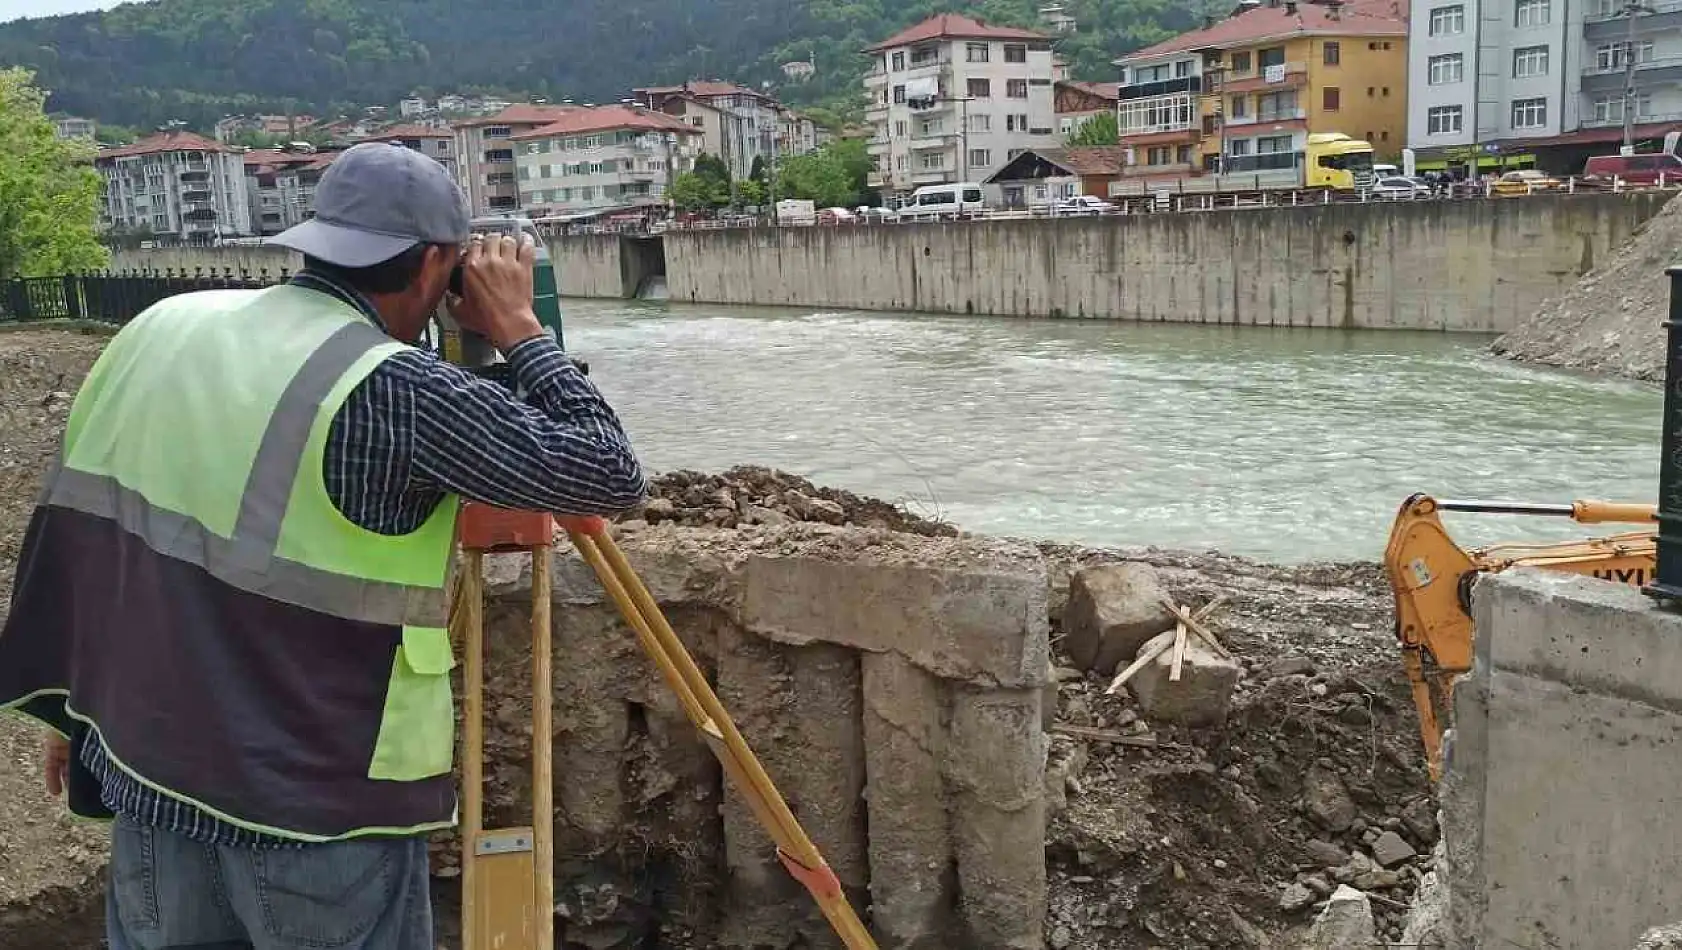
pixel 750 494
pixel 1612 320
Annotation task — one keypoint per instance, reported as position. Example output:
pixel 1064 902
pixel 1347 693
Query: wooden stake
pixel 542 749
pixel 1179 652
pixel 1145 656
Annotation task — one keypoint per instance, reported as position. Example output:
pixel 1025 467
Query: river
pixel 1283 445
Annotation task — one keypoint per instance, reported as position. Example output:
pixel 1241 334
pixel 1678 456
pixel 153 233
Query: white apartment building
pixel 1518 74
pixel 74 127
pixel 954 99
pixel 738 124
pixel 602 158
pixel 438 144
pixel 484 153
pixel 280 186
pixel 175 185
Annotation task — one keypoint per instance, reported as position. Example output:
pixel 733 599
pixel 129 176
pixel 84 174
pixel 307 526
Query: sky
pixel 13 9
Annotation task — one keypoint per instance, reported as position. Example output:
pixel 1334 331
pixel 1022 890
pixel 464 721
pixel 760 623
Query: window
pixel 1016 53
pixel 1448 21
pixel 899 61
pixel 1273 144
pixel 1530 113
pixel 1330 53
pixel 1530 61
pixel 1010 154
pixel 899 129
pixel 697 121
pixel 1182 155
pixel 1532 12
pixel 976 52
pixel 899 93
pixel 1158 114
pixel 1610 56
pixel 980 157
pixel 1609 110
pixel 1145 74
pixel 1270 57
pixel 498 132
pixel 1239 147
pixel 1182 69
pixel 1240 107
pixel 1016 123
pixel 1275 106
pixel 1240 62
pixel 1329 98
pixel 933 161
pixel 980 89
pixel 1445 69
pixel 1159 155
pixel 981 123
pixel 1016 88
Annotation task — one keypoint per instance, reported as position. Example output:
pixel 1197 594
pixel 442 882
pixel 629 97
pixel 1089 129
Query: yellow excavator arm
pixel 1431 579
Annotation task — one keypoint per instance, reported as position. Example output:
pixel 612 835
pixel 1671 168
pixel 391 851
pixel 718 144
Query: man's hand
pixel 55 761
pixel 497 288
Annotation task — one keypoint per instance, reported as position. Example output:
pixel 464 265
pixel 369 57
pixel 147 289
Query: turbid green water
pixel 1282 445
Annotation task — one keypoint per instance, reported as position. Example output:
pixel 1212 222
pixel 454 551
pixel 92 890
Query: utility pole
pixel 1631 8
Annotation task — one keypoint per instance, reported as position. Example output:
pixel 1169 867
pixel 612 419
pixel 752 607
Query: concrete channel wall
pixel 1439 265
pixel 890 684
pixel 1560 797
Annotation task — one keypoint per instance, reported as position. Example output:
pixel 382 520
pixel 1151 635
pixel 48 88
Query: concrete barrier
pixel 891 685
pixel 1439 265
pixel 1560 797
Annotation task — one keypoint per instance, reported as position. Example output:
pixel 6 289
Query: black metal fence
pixel 116 296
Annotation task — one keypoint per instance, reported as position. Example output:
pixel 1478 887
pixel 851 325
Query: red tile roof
pixel 702 88
pixel 1085 160
pixel 954 26
pixel 521 114
pixel 1103 90
pixel 1372 18
pixel 164 142
pixel 604 118
pixel 263 161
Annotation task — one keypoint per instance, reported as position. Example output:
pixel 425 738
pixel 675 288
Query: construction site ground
pixel 1157 837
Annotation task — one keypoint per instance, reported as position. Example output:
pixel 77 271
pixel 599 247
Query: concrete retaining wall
pixel 1560 797
pixel 891 685
pixel 1460 265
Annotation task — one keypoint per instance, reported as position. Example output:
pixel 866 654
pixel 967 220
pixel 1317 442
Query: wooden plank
pixel 1144 741
pixel 1179 652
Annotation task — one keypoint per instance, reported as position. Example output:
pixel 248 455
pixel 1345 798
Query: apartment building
pixel 438 144
pixel 1243 93
pixel 484 153
pixel 175 185
pixel 74 127
pixel 1540 80
pixel 738 124
pixel 955 98
pixel 602 159
pixel 1076 102
pixel 280 186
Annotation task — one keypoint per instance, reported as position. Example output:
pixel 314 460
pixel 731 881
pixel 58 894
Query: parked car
pixel 934 202
pixel 1400 188
pixel 871 215
pixel 1526 181
pixel 1643 169
pixel 1083 204
pixel 837 216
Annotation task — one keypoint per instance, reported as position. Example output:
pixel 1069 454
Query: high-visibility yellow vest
pixel 190 592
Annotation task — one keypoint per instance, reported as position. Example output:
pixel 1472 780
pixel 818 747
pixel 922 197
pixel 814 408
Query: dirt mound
pixel 749 494
pixel 50 888
pixel 1612 320
pixel 1229 836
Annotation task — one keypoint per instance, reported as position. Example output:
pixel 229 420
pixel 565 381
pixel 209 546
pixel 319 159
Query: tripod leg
pixel 542 748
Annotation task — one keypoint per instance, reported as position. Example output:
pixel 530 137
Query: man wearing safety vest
pixel 230 605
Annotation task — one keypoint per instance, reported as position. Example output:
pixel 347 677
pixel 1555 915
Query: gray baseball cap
pixel 376 201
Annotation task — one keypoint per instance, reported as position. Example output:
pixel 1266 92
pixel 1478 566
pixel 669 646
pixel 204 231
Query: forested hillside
pixel 147 63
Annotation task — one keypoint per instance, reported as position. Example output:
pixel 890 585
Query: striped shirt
pixel 416 430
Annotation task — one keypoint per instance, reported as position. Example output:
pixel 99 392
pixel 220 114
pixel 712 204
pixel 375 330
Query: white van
pixel 932 202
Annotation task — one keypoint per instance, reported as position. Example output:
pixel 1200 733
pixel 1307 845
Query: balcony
pixel 876 113
pixel 877 180
pixel 1266 78
pixel 1267 116
pixel 1656 71
pixel 1608 23
pixel 1165 87
pixel 188 178
pixel 923 66
pixel 1646 118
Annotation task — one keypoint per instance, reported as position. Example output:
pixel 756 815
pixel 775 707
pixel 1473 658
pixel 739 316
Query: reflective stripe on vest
pixel 199 438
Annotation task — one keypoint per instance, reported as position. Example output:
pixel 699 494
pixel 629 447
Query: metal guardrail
pixel 115 296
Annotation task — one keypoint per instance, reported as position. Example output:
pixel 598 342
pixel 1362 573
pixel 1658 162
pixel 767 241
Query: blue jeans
pixel 169 892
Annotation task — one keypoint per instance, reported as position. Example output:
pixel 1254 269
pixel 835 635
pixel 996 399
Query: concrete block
pixel 962 609
pixel 1203 693
pixel 1113 610
pixel 913 887
pixel 995 774
pixel 1569 725
pixel 1345 923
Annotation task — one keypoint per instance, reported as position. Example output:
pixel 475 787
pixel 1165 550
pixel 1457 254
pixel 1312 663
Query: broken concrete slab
pixel 1345 923
pixel 1203 694
pixel 1665 937
pixel 1113 610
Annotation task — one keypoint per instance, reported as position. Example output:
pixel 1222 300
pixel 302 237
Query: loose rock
pixel 1390 849
pixel 1346 922
pixel 1202 695
pixel 1113 609
pixel 1327 799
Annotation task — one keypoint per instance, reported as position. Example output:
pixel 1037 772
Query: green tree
pixel 820 177
pixel 751 192
pixel 692 191
pixel 757 172
pixel 49 193
pixel 1101 129
pixel 713 169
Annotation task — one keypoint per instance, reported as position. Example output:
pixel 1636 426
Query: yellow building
pixel 1254 86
